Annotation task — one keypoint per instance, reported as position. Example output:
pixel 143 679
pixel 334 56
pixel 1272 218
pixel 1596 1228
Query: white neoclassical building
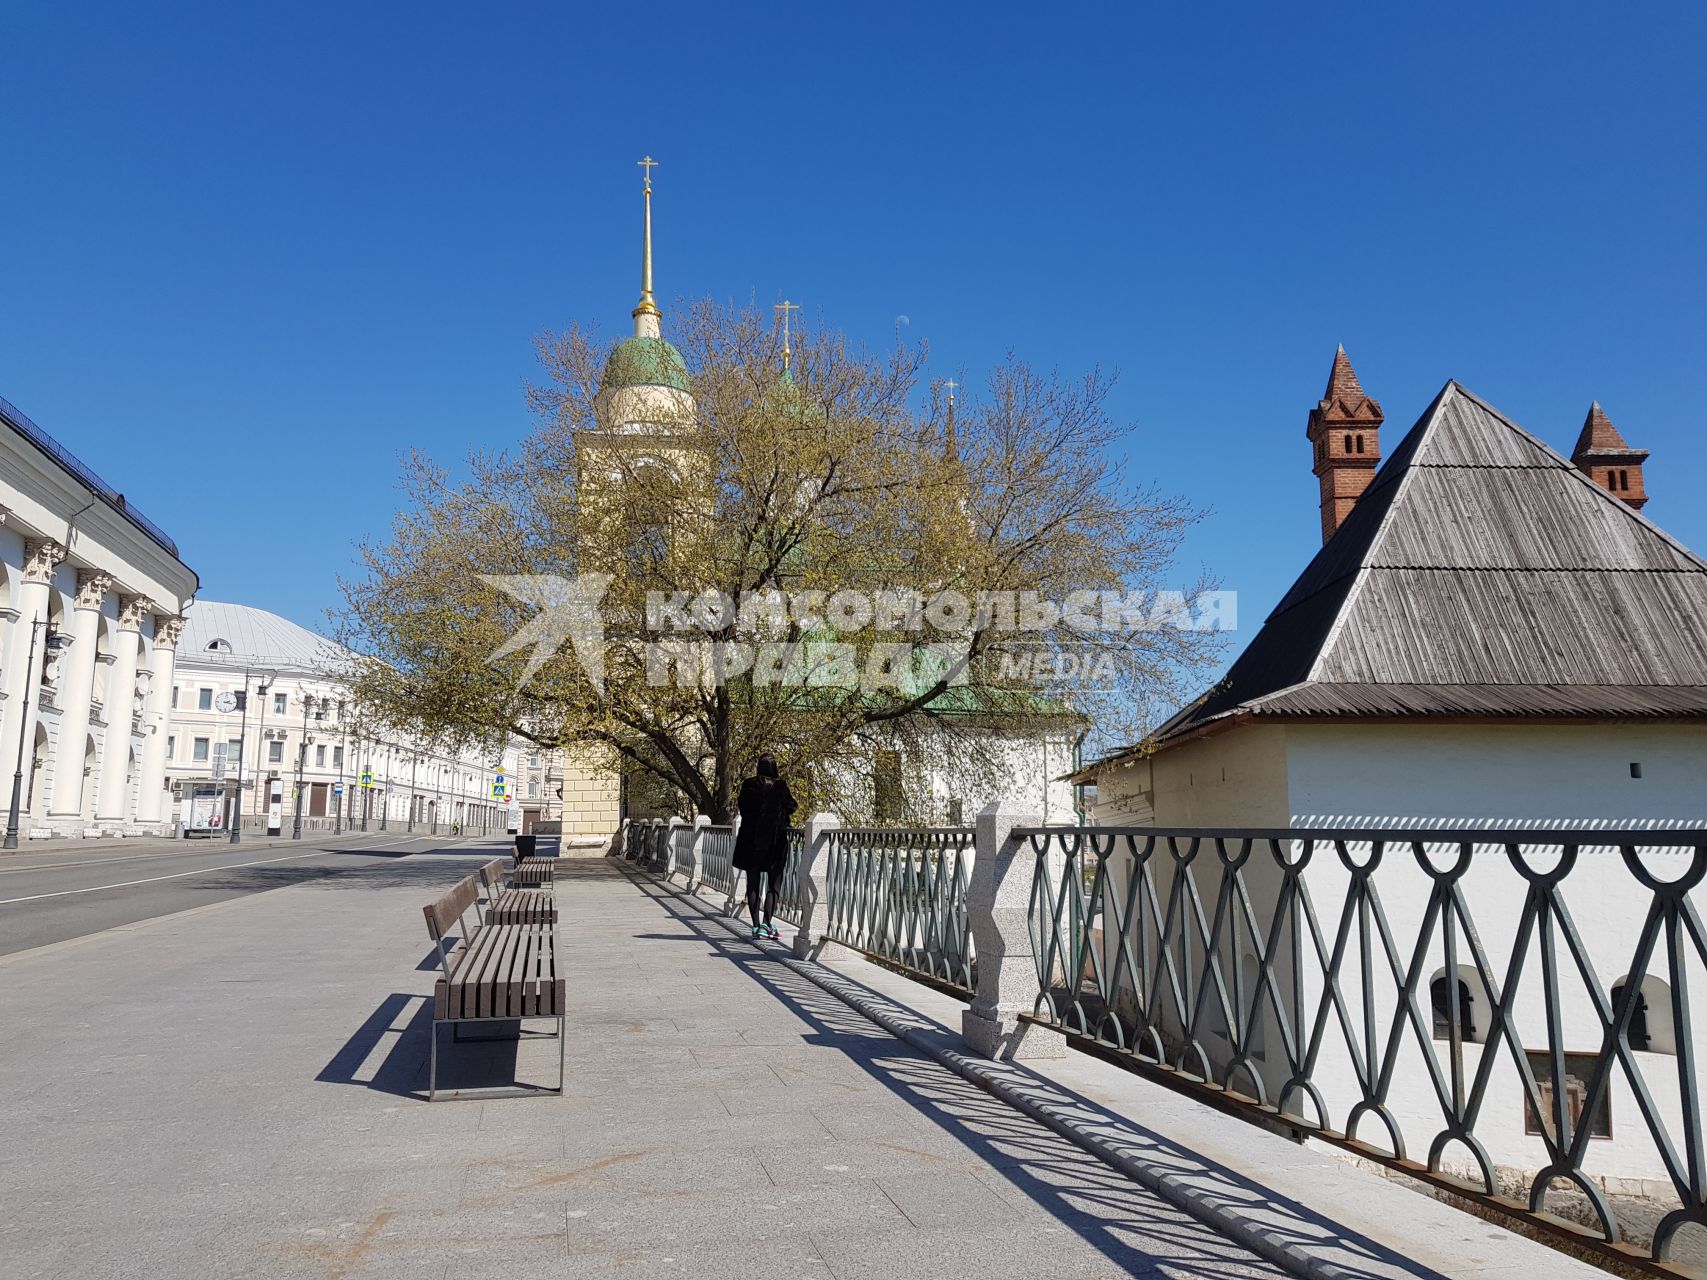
pixel 295 738
pixel 94 600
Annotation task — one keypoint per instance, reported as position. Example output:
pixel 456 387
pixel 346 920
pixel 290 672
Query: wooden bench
pixel 533 873
pixel 494 973
pixel 510 905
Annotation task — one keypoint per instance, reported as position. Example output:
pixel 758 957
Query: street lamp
pixel 318 706
pixel 54 641
pixel 243 743
pixel 338 799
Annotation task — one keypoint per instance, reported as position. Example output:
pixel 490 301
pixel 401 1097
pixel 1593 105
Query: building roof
pixel 1480 576
pixel 1600 440
pixel 25 426
pixel 645 362
pixel 238 635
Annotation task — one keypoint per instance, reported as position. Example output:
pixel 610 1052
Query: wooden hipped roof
pixel 1481 575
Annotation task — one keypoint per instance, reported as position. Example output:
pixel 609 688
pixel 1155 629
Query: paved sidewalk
pixel 231 1093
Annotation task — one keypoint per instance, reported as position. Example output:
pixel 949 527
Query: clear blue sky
pixel 249 253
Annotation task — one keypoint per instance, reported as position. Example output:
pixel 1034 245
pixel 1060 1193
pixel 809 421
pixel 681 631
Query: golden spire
pixel 783 308
pixel 950 445
pixel 646 311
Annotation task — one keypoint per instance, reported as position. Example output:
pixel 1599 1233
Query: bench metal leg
pixel 517 1090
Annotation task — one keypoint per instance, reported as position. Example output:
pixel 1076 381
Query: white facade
pixel 93 602
pixel 353 773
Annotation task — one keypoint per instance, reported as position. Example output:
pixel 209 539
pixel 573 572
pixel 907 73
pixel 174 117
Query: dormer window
pixel 219 646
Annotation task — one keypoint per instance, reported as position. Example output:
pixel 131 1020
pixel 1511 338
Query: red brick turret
pixel 1345 435
pixel 1603 457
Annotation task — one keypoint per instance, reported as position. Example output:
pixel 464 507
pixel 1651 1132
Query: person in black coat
pixel 761 846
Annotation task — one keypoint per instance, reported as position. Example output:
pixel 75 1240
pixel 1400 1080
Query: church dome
pixel 645 362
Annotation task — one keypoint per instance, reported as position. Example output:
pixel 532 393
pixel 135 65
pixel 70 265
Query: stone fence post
pixel 815 891
pixel 695 859
pixel 668 864
pixel 998 900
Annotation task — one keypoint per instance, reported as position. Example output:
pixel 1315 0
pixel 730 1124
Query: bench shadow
pixel 401 1028
pixel 1101 1205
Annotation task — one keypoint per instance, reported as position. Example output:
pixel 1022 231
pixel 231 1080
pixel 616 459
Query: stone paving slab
pixel 237 1092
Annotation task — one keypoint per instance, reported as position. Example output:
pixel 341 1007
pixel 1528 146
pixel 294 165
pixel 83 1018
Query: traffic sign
pixel 367 779
pixel 337 788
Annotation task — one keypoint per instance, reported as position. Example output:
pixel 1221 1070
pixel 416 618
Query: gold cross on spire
pixel 646 311
pixel 951 384
pixel 783 308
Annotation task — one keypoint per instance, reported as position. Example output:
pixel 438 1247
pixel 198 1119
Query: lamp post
pixel 438 795
pixel 318 706
pixel 54 641
pixel 385 796
pixel 338 799
pixel 414 760
pixel 243 746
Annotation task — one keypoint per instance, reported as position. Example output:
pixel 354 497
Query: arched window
pixel 1624 481
pixel 1650 1029
pixel 1360 444
pixel 1612 481
pixel 1348 444
pixel 219 646
pixel 1467 998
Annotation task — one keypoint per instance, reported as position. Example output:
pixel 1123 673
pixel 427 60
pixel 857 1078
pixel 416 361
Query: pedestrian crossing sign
pixel 367 779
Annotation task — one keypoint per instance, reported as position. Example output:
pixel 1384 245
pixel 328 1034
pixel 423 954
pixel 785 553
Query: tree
pixel 808 515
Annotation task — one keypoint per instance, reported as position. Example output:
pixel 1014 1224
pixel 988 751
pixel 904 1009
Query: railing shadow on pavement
pixel 1013 1144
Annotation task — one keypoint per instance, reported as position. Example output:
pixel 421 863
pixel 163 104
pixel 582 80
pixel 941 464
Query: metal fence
pixel 790 901
pixel 1426 998
pixel 717 852
pixel 901 894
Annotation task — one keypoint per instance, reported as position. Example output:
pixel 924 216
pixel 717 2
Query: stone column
pixel 668 863
pixel 113 791
pixel 815 892
pixel 690 865
pixel 156 716
pixel 35 589
pixel 998 901
pixel 76 687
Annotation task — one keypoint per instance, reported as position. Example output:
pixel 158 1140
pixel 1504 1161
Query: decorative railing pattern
pixel 717 853
pixel 790 902
pixel 1341 979
pixel 901 894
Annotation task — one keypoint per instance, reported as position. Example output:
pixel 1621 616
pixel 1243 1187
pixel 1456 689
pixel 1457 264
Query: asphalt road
pixel 49 897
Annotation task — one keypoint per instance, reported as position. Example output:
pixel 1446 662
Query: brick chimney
pixel 1345 436
pixel 1603 457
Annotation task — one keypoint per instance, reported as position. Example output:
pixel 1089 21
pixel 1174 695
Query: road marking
pixel 186 851
pixel 178 875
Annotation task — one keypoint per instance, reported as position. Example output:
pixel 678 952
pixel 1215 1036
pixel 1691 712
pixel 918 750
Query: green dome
pixel 646 362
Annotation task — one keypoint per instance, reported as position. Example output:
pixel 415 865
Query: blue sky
pixel 250 253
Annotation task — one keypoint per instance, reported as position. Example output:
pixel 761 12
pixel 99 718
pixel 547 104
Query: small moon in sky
pixel 903 320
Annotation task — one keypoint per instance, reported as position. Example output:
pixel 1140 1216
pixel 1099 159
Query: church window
pixel 1348 444
pixel 1360 444
pixel 1440 995
pixel 1624 481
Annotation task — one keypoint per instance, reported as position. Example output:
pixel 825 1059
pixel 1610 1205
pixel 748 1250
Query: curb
pixel 1000 1081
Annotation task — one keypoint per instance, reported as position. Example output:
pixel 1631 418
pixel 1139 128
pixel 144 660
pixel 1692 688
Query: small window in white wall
pixel 280 702
pixel 204 699
pixel 1651 1028
pixel 320 756
pixel 337 757
pixel 275 751
pixel 174 697
pixel 198 750
pixel 1466 998
pixel 172 746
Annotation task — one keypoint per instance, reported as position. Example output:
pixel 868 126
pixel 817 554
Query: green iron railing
pixel 901 894
pixel 1432 983
pixel 790 902
pixel 717 868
